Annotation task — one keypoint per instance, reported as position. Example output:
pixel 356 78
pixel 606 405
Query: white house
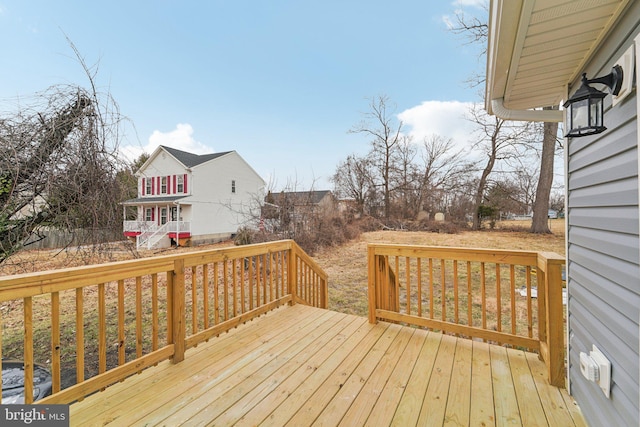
pixel 189 199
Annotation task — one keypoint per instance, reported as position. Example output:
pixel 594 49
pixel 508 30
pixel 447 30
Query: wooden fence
pixel 100 324
pixel 475 293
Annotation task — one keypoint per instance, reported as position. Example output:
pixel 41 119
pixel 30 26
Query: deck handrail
pixel 147 310
pixel 455 290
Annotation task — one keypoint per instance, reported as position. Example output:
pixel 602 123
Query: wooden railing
pixel 100 324
pixel 473 293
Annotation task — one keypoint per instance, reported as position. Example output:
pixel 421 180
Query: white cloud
pixel 443 118
pixel 180 138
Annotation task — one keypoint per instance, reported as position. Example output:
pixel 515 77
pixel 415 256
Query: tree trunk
pixel 540 223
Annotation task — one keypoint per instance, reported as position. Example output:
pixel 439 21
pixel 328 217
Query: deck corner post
pixel 554 325
pixel 178 311
pixel 371 266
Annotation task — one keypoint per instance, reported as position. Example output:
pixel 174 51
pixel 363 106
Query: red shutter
pixel 175 179
pixel 153 214
pixel 143 186
pixel 158 183
pixel 185 183
pixel 153 186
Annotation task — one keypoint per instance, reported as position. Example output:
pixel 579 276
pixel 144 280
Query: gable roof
pixel 538 47
pixel 190 159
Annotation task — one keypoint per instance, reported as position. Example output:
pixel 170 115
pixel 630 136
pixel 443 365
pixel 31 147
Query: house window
pixel 163 216
pixel 149 185
pixel 180 180
pixel 163 185
pixel 233 185
pixel 148 214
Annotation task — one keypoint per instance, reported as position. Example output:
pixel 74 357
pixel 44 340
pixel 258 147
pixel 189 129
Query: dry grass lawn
pixel 347 265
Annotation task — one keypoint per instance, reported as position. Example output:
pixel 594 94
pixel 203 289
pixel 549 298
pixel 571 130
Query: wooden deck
pixel 302 366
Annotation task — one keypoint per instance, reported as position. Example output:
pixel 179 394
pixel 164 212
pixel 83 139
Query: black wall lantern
pixel 585 109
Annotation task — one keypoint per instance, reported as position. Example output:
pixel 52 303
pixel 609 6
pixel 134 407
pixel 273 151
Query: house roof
pixel 190 159
pixel 152 200
pixel 536 48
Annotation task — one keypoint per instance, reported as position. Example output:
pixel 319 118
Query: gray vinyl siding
pixel 603 248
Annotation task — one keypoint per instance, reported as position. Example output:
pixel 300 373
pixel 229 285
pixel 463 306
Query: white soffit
pixel 537 47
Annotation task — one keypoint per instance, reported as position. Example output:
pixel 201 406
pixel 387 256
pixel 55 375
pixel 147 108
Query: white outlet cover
pixel 604 366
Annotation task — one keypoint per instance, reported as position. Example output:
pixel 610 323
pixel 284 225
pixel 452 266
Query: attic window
pixel 233 186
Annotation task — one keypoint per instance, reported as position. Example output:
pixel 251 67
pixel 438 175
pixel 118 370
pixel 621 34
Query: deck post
pixel 292 274
pixel 371 265
pixel 178 311
pixel 554 328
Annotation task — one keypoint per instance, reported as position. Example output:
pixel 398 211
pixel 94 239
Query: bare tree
pixel 353 179
pixel 476 30
pixel 59 167
pixel 441 167
pixel 539 223
pixel 386 133
pixel 499 140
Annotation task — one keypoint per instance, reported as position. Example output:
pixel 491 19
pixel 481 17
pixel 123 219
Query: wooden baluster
pixel 55 341
pixel 28 350
pixel 498 299
pixel 455 292
pixel 419 284
pixel 216 294
pixel 79 335
pixel 258 304
pixel 408 282
pixel 431 313
pixel 225 288
pixel 529 302
pixel 121 324
pixel 251 283
pixel 102 329
pixel 513 298
pixel 443 286
pixel 483 294
pixel 194 299
pixel 154 312
pixel 469 296
pixel 205 294
pixel 234 283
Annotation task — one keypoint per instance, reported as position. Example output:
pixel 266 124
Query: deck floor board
pixel 306 366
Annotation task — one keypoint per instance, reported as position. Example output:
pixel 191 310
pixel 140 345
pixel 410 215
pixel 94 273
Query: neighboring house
pixel 186 198
pixel 296 208
pixel 537 52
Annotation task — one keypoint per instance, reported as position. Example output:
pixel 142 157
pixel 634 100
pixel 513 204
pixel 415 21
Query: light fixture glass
pixel 585 109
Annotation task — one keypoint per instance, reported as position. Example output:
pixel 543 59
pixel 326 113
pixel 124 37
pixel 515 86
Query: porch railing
pixel 138 225
pixel 479 294
pixel 96 325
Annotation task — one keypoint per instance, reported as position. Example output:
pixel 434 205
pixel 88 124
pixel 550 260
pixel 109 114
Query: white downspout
pixel 499 110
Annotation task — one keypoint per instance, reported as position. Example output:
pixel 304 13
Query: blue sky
pixel 279 81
